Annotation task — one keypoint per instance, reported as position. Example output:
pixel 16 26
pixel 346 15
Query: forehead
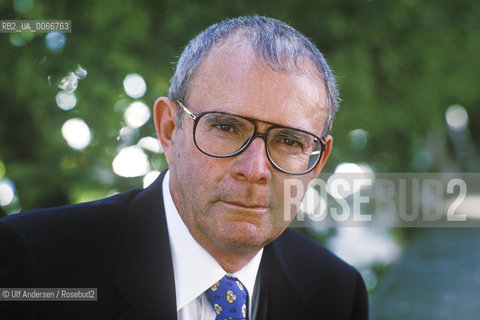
pixel 232 79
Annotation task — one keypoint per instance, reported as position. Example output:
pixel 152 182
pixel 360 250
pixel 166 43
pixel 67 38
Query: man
pixel 250 106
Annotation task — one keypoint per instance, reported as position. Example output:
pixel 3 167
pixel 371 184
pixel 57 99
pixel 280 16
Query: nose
pixel 252 165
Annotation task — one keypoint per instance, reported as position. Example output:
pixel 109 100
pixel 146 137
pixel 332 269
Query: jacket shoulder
pixel 77 242
pixel 93 214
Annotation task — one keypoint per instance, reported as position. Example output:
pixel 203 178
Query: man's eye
pixel 289 142
pixel 224 127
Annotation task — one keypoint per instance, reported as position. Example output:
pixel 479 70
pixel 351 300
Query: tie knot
pixel 229 298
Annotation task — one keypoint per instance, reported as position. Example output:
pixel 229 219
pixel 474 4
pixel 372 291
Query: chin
pixel 246 235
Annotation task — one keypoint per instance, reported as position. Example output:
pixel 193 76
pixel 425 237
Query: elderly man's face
pixel 238 202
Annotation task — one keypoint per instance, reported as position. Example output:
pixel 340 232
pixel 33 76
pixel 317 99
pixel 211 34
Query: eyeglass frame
pixel 196 117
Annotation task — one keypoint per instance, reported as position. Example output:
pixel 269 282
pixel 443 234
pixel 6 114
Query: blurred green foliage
pixel 400 65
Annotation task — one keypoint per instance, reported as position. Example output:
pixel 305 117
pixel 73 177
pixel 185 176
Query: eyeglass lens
pixel 292 150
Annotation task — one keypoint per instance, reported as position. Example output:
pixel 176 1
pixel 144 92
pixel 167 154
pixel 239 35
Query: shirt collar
pixel 195 270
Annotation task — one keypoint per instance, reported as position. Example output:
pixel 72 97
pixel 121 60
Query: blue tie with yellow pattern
pixel 229 299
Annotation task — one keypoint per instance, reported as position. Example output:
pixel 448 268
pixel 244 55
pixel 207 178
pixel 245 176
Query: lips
pixel 251 206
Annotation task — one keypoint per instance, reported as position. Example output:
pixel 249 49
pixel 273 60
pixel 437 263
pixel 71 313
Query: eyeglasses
pixel 223 135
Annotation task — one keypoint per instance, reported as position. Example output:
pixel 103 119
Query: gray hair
pixel 275 43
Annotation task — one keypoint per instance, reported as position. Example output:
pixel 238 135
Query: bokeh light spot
pixel 66 100
pixel 77 133
pixel 358 139
pixel 134 85
pixel 81 72
pixel 137 114
pixel 347 172
pixel 55 40
pixel 128 135
pixel 7 192
pixel 150 177
pixel 364 246
pixel 313 204
pixel 22 6
pixel 131 162
pixel 151 144
pixel 69 82
pixel 19 39
pixel 422 160
pixel 457 117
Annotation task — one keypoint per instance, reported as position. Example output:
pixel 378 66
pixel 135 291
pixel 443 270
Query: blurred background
pixel 76 122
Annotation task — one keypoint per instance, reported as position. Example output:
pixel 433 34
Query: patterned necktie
pixel 229 299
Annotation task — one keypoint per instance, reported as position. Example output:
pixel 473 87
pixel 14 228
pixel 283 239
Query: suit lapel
pixel 144 274
pixel 279 298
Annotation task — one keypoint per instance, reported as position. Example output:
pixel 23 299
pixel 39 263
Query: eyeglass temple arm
pixel 190 114
pixel 319 151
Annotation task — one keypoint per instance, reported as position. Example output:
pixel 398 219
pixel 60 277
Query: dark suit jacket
pixel 120 245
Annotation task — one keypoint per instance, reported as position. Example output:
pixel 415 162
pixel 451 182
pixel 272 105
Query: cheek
pixel 287 195
pixel 200 174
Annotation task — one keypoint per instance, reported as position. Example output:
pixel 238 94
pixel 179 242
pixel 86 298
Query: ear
pixel 326 153
pixel 165 116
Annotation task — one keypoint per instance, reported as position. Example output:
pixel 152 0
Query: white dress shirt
pixel 195 270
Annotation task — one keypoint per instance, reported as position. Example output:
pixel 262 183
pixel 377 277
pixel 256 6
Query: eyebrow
pixel 286 131
pixel 229 119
